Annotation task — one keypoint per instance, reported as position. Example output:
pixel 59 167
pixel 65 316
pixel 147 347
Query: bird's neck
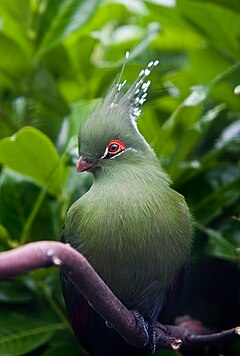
pixel 137 169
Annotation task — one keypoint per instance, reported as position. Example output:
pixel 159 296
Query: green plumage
pixel 131 226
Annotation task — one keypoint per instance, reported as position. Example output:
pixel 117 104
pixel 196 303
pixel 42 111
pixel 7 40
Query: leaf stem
pixel 39 200
pixel 54 305
pixel 219 78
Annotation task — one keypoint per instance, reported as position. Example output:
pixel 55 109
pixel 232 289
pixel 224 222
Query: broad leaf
pixel 19 343
pixel 32 154
pixel 209 22
pixel 24 327
pixel 13 292
pixel 234 5
pixel 71 16
pixel 218 246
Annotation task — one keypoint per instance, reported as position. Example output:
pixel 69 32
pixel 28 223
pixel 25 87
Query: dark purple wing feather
pixel 175 290
pixel 89 327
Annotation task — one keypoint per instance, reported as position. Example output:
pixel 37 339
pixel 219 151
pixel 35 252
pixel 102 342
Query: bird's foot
pixel 142 324
pixel 152 337
pixel 108 325
pixel 148 329
pixel 164 329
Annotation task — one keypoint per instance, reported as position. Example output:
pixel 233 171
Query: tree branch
pixel 49 253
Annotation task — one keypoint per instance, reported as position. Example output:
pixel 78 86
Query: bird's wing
pixel 77 307
pixel 90 328
pixel 175 289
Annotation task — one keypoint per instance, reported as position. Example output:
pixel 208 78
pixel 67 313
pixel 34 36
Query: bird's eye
pixel 114 148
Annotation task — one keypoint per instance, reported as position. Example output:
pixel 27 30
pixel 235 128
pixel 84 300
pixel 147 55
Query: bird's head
pixel 110 135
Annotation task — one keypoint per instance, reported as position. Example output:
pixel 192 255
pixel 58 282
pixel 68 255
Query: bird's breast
pixel 133 235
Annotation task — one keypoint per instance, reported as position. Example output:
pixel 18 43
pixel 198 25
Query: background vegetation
pixel 57 58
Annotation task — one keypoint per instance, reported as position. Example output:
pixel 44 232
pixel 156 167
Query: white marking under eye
pixel 126 149
pixel 105 153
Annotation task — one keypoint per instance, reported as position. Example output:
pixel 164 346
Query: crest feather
pixel 115 117
pixel 130 101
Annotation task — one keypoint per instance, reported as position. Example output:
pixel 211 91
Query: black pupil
pixel 113 147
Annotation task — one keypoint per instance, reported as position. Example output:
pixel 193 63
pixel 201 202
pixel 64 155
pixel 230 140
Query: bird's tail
pixel 116 346
pixel 91 330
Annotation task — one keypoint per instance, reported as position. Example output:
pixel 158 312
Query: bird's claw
pixel 152 337
pixel 143 325
pixel 148 329
pixel 164 329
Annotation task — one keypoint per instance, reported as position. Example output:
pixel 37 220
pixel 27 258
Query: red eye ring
pixel 115 147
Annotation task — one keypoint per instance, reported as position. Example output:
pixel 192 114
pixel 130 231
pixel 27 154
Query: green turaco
pixel 131 226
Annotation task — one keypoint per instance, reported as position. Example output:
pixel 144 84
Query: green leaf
pixel 63 344
pixel 16 207
pixel 71 16
pixel 63 350
pixel 13 292
pixel 31 153
pixel 10 64
pixel 198 95
pixel 21 342
pixel 26 326
pixel 218 246
pixel 233 4
pixel 219 188
pixel 178 164
pixel 44 89
pixel 5 238
pixel 176 34
pixel 230 133
pixel 209 22
pixel 15 16
pixel 4 234
pixel 166 353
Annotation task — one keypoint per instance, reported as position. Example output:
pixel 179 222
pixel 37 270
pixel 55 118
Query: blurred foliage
pixel 57 59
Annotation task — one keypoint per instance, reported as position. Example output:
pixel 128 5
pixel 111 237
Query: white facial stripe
pixel 105 153
pixel 126 149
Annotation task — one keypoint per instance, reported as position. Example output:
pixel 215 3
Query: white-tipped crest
pixel 137 93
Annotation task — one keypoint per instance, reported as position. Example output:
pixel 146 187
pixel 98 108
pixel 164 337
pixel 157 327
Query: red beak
pixel 83 165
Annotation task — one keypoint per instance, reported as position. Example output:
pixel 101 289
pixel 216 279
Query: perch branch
pixel 49 253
